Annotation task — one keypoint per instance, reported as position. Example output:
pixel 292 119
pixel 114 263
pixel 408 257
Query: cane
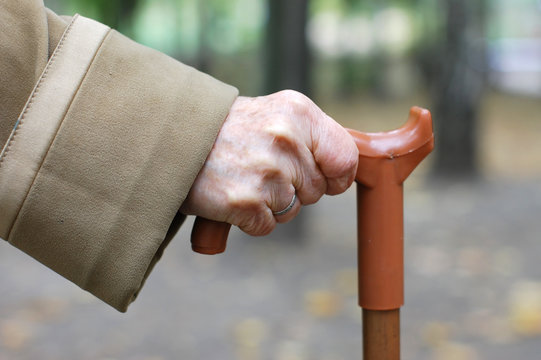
pixel 386 159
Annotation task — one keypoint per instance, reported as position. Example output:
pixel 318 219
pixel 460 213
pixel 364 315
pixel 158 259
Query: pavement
pixel 473 288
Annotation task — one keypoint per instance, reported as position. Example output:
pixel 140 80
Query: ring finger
pixel 288 205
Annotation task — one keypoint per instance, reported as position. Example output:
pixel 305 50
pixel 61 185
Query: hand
pixel 268 149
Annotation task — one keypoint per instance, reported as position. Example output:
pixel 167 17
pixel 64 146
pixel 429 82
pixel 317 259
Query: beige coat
pixel 102 139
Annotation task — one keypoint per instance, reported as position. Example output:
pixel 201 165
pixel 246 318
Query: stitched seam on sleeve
pixel 57 129
pixel 35 92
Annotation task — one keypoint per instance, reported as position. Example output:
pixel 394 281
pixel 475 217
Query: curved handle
pixel 385 161
pixel 410 143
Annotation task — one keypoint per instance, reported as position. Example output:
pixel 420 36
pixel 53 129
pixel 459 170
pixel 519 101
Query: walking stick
pixel 386 159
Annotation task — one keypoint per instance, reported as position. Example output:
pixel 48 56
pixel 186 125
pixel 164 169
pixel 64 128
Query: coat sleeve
pixel 107 141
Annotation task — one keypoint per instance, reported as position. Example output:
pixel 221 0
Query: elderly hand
pixel 269 149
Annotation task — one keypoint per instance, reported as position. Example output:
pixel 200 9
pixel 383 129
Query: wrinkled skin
pixel 268 148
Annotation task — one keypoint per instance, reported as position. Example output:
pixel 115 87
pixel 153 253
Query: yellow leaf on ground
pixel 323 303
pixel 525 308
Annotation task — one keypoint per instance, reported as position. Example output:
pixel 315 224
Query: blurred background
pixel 473 209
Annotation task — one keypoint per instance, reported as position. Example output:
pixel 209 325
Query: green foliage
pixel 351 37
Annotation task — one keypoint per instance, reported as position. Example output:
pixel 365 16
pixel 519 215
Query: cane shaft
pixel 381 334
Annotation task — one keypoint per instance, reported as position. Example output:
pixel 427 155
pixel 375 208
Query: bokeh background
pixel 473 209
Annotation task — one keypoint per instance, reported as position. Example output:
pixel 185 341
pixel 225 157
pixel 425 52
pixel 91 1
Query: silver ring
pixel 289 207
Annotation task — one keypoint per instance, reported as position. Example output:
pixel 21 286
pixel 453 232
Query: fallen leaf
pixel 435 333
pixel 14 334
pixel 249 333
pixel 454 351
pixel 525 308
pixel 323 303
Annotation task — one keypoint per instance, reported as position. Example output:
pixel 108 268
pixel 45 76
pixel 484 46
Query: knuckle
pixel 271 175
pixel 298 102
pixel 284 137
pixel 240 201
pixel 281 130
pixel 290 94
pixel 267 170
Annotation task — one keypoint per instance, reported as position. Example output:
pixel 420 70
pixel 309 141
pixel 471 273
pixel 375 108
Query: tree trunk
pixel 203 62
pixel 286 52
pixel 287 67
pixel 116 13
pixel 458 89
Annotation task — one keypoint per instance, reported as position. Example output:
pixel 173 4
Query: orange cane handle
pixel 208 236
pixel 385 160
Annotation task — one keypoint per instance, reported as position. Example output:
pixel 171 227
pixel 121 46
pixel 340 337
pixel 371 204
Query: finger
pixel 297 162
pixel 282 197
pixel 258 222
pixel 289 212
pixel 335 152
pixel 333 148
pixel 308 179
